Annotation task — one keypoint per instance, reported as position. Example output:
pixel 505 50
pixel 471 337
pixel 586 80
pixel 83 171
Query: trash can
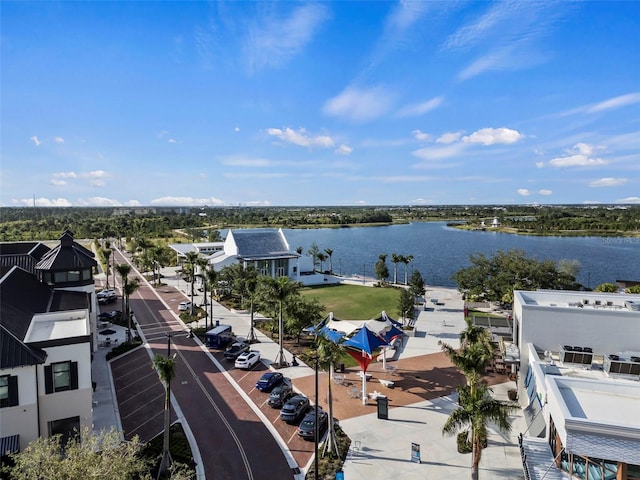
pixel 383 408
pixel 341 367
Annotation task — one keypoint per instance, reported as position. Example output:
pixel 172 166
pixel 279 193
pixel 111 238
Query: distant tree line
pixel 46 223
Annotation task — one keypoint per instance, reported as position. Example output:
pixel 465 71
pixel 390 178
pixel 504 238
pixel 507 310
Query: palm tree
pixel 210 278
pixel 131 286
pixel 106 252
pixel 250 287
pixel 279 290
pixel 477 408
pixel 329 252
pixel 191 259
pixel 329 353
pixel 123 270
pixel 321 258
pixel 395 259
pixel 166 368
pixel 474 354
pixel 406 260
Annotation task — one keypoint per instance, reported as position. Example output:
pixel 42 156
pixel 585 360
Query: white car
pixel 184 306
pixel 248 359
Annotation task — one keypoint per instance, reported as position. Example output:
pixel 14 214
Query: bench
pixel 387 383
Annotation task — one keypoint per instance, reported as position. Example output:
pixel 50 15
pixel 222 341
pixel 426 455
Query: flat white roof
pixel 609 405
pixel 57 326
pixel 574 299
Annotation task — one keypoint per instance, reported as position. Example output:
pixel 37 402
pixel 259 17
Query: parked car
pixel 307 428
pixel 184 306
pixel 248 359
pixel 279 395
pixel 106 296
pixel 269 380
pixel 294 409
pixel 235 350
pixel 111 316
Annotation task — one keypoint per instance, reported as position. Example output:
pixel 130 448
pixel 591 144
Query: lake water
pixel 440 251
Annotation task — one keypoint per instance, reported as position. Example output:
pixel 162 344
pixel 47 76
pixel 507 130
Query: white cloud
pixel 491 136
pixel 629 200
pixel 417 109
pixel 449 137
pixel 360 105
pixel 186 201
pixel 540 164
pixel 237 129
pixel 98 202
pixel 58 183
pixel 523 192
pixel 578 156
pixel 97 178
pixel 343 150
pixel 275 41
pixel 301 137
pixel 65 175
pixel 484 26
pixel 258 203
pixel 172 140
pixel 96 174
pixel 421 136
pixel 608 182
pixel 420 201
pixel 544 191
pixel 58 139
pixel 35 140
pixel 42 202
pixel 576 161
pixel 132 203
pixel 616 102
pixel 439 153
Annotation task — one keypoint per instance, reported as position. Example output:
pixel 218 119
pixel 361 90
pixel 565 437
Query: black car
pixel 235 350
pixel 307 428
pixel 279 395
pixel 294 409
pixel 111 316
pixel 269 380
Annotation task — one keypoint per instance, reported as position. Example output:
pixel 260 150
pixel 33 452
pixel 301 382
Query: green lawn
pixel 355 302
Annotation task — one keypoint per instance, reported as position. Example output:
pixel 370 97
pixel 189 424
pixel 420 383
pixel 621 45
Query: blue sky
pixel 320 103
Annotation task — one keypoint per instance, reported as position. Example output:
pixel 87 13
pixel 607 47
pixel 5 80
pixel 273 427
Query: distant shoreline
pixel 551 233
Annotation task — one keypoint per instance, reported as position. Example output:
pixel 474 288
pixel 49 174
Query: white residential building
pixel 47 335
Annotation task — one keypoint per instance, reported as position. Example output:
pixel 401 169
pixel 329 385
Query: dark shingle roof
pixel 255 242
pixel 14 353
pixel 68 255
pixel 23 254
pixel 21 296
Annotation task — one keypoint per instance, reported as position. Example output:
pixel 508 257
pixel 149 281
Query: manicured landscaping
pixel 355 302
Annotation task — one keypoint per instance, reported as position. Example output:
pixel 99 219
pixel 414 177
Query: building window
pixel 61 376
pixel 8 391
pixel 67 428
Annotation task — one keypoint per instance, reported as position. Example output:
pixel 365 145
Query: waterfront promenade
pixel 419 403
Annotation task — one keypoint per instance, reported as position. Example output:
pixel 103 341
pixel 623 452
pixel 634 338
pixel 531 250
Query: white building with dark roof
pixel 580 380
pixel 266 249
pixel 47 334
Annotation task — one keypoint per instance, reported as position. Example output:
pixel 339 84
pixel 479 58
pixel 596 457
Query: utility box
pixel 219 337
pixel 383 408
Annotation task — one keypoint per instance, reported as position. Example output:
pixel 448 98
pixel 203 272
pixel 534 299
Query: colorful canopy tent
pixel 364 347
pixel 332 335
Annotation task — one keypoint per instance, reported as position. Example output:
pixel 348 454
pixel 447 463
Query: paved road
pixel 234 442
